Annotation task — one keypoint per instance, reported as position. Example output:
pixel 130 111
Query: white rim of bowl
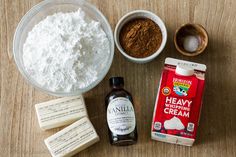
pixel 34 10
pixel 155 54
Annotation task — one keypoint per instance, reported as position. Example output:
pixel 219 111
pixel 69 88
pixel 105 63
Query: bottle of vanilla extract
pixel 120 114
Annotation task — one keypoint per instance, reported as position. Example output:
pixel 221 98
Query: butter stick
pixel 60 112
pixel 72 139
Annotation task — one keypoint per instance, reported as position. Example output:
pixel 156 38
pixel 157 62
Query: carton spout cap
pixel 184 70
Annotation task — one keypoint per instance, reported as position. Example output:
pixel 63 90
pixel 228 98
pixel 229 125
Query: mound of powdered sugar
pixel 66 51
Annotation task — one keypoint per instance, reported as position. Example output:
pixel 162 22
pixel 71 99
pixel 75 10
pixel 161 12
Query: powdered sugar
pixel 66 51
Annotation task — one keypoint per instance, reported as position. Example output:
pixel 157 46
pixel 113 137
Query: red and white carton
pixel 178 103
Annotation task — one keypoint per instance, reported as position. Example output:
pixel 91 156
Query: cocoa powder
pixel 140 37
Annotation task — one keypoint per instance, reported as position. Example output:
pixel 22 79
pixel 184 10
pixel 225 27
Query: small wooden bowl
pixel 187 30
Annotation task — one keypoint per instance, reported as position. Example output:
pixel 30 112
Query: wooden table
pixel 20 135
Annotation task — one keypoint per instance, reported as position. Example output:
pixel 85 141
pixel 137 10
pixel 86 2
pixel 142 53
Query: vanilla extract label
pixel 120 116
pixel 120 109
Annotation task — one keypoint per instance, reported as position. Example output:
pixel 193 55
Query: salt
pixel 191 43
pixel 66 51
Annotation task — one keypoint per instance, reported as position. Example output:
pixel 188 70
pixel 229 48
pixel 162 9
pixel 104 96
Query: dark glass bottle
pixel 120 114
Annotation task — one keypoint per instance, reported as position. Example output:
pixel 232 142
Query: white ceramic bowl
pixel 140 14
pixel 49 7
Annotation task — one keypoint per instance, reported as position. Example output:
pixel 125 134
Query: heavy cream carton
pixel 178 103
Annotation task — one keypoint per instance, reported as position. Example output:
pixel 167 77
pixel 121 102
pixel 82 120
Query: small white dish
pixel 140 14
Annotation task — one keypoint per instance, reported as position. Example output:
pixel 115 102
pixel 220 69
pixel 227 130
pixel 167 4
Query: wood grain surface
pixel 20 135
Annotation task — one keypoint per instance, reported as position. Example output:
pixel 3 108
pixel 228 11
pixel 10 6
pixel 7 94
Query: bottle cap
pixel 116 81
pixel 184 70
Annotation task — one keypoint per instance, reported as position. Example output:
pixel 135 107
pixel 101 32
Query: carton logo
pixel 181 87
pixel 166 91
